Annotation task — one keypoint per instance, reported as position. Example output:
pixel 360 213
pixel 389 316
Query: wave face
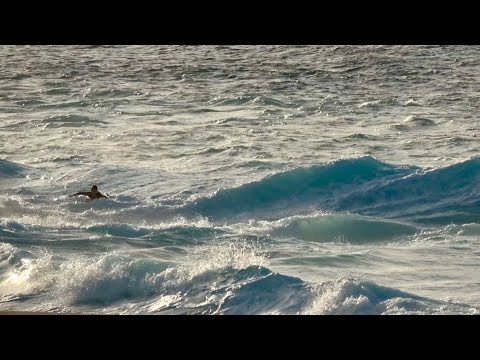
pixel 364 186
pixel 235 283
pixel 438 196
pixel 355 297
pixel 317 186
pixel 350 228
pixel 10 169
pixel 240 179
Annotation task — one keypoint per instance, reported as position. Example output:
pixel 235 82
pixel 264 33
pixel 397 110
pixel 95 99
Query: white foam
pixel 235 254
pixel 29 277
pixel 348 296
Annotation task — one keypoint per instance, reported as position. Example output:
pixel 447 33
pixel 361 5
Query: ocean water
pixel 241 179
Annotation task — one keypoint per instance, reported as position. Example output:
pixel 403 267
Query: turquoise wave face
pixel 316 185
pixel 364 186
pixel 344 227
pixel 10 169
pixel 441 196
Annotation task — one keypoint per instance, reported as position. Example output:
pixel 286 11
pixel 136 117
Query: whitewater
pixel 303 180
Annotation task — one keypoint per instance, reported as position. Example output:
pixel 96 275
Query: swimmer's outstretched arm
pixel 79 193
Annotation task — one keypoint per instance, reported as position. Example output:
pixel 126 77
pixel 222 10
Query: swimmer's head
pixel 94 188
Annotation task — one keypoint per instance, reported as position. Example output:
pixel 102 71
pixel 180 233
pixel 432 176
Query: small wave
pixel 472 229
pixel 66 104
pixel 374 103
pixel 268 101
pixel 70 121
pixel 239 100
pixel 459 140
pixel 210 150
pixel 411 102
pixel 57 91
pixel 359 136
pixel 13 256
pixel 21 76
pixel 12 227
pixel 28 274
pixel 261 291
pixel 121 230
pixel 68 158
pixel 417 120
pixel 351 228
pixel 203 110
pixel 29 102
pixel 400 127
pixel 11 169
pixel 243 100
pixel 348 296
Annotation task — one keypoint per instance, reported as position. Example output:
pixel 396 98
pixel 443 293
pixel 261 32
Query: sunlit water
pixel 242 179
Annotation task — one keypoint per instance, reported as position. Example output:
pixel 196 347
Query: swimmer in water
pixel 93 194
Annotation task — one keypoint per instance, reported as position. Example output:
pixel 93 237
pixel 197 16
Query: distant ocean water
pixel 241 179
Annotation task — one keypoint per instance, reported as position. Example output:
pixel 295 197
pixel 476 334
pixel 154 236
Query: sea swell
pixel 220 279
pixel 363 186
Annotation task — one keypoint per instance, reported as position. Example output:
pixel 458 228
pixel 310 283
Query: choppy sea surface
pixel 241 179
